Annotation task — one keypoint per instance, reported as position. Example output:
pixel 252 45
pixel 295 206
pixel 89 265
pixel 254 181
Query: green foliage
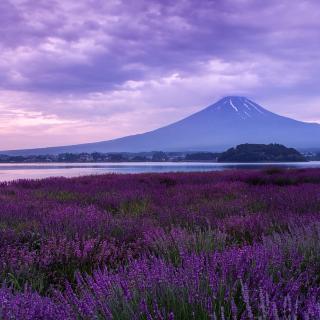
pixel 261 153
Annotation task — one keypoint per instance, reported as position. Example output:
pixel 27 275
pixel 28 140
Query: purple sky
pixel 90 70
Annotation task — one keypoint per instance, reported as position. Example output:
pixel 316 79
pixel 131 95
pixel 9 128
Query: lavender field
pixel 229 245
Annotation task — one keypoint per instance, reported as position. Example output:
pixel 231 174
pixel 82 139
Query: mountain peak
pixel 232 97
pixel 241 106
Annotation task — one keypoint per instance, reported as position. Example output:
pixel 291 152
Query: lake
pixel 13 171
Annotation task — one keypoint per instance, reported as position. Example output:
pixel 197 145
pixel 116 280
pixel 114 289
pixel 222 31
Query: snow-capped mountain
pixel 228 122
pixel 243 107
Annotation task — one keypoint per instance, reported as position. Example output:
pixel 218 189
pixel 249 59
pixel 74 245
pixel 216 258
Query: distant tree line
pixel 155 156
pixel 241 153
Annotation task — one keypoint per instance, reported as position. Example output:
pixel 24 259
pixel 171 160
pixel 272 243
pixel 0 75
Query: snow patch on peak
pixel 243 107
pixel 233 106
pixel 258 109
pixel 247 106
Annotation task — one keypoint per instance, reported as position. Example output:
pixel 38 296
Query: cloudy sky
pixel 91 70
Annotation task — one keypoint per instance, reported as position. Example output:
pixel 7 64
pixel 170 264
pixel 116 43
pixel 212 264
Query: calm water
pixel 10 171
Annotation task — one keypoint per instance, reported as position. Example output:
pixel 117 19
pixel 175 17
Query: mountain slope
pixel 228 122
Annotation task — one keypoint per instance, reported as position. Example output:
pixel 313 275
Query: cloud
pixel 103 69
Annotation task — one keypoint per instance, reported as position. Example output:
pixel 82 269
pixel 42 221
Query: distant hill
pixel 261 153
pixel 230 121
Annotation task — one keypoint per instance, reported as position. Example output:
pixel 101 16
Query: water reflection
pixel 10 171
